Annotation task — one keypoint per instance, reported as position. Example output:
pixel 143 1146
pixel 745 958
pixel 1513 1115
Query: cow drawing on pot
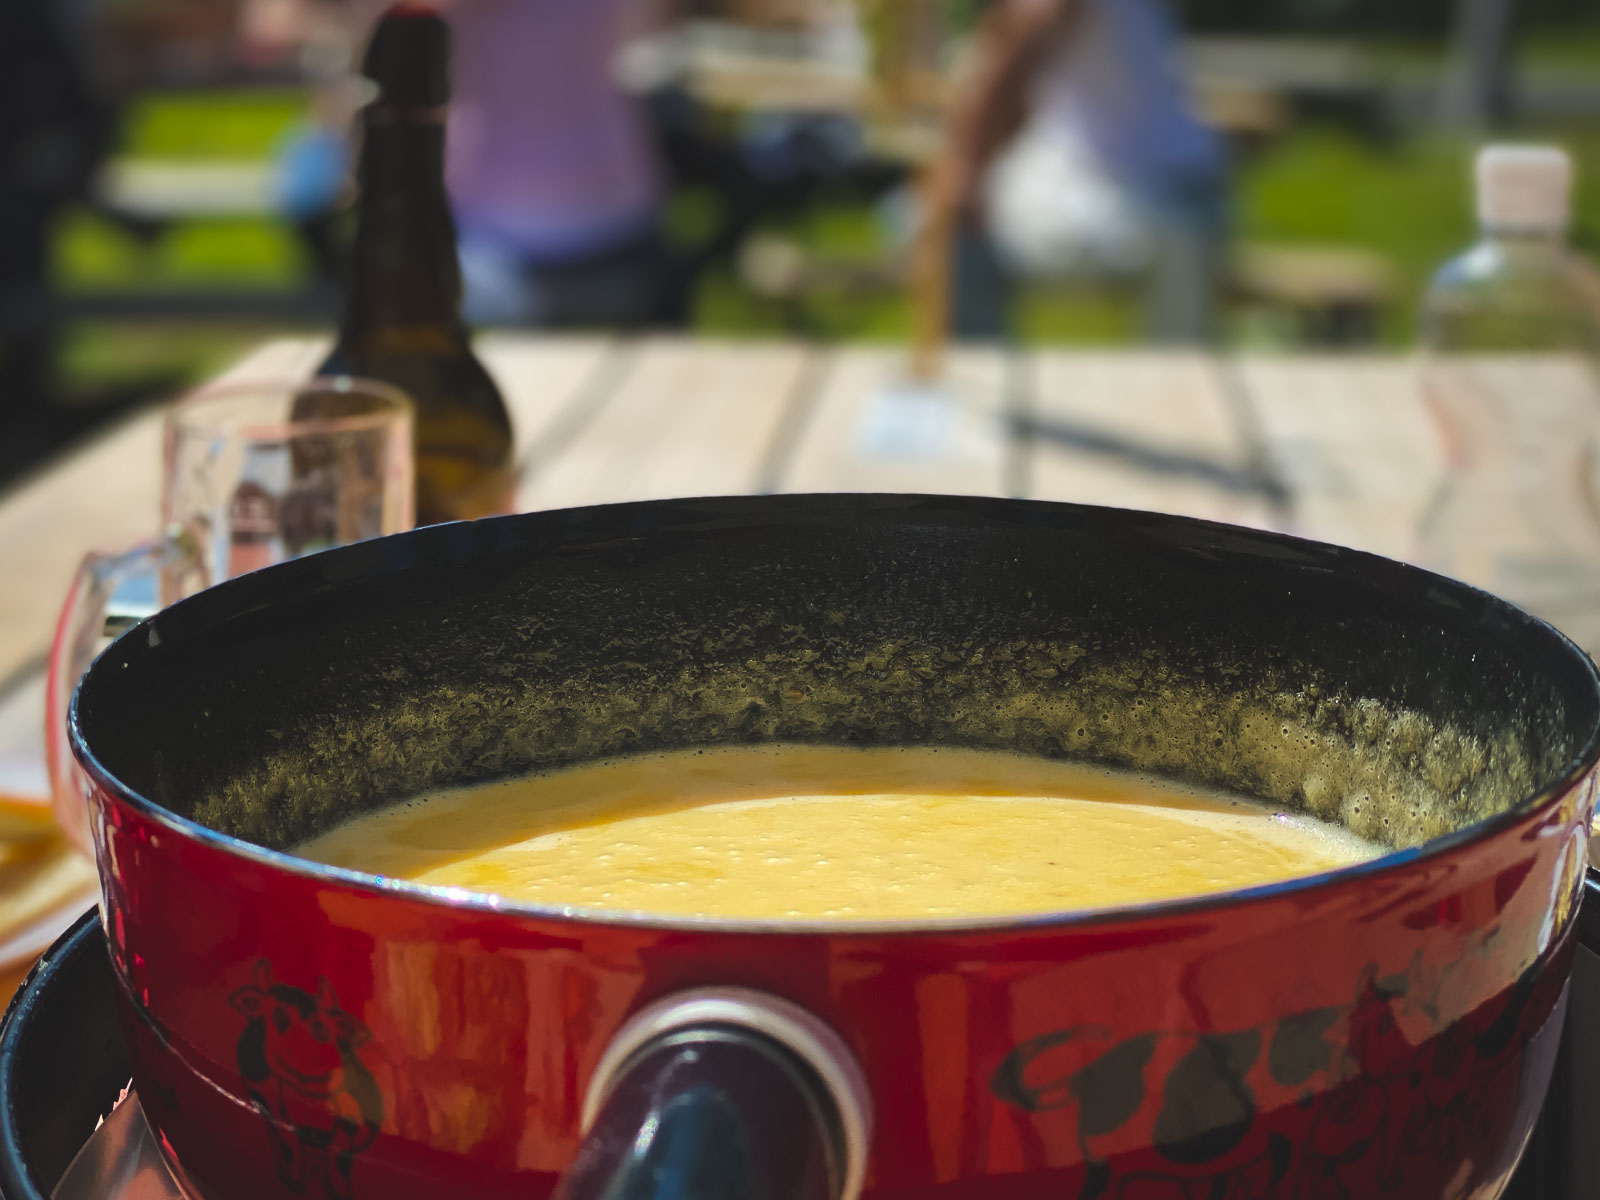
pixel 321 1106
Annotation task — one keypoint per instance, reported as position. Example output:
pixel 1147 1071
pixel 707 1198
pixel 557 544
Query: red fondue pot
pixel 1381 1030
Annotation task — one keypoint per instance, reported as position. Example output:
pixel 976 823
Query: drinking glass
pixel 253 474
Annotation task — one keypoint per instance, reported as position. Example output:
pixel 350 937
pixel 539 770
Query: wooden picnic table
pixel 1337 448
pixel 1340 448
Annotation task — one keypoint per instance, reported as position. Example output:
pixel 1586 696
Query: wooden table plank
pixel 685 419
pixel 869 432
pixel 542 378
pixel 1353 442
pixel 104 496
pixel 1363 445
pixel 1522 517
pixel 1142 430
pixel 22 724
pixel 107 495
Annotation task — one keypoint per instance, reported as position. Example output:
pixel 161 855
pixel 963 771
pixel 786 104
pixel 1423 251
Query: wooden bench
pixel 1333 293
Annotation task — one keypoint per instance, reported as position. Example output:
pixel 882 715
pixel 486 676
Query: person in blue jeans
pixel 1090 90
pixel 312 180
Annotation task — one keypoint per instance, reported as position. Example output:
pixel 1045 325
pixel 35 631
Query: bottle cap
pixel 1524 188
pixel 409 57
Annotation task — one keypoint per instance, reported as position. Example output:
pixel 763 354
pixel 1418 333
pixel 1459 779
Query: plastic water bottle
pixel 1520 288
pixel 1511 371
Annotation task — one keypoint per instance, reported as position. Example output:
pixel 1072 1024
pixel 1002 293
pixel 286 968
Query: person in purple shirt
pixel 552 168
pixel 551 164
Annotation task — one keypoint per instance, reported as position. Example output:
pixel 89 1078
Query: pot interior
pixel 1398 704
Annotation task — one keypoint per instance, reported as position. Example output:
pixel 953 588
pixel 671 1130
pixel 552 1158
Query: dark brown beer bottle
pixel 402 323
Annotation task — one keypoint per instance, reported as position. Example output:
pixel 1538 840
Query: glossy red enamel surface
pixel 1386 1034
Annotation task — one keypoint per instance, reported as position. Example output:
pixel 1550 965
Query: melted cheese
pixel 807 832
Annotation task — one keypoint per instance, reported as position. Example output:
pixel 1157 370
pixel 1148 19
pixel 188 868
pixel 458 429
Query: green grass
pixel 1538 50
pixel 1412 204
pixel 91 253
pixel 238 125
pixel 246 123
pixel 842 233
pixel 1563 50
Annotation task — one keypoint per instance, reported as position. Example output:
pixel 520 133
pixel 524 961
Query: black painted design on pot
pixel 320 1104
pixel 1206 1105
pixel 1372 1099
pixel 1300 1047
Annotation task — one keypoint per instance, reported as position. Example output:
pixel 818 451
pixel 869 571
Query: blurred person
pixel 314 173
pixel 570 123
pixel 312 179
pixel 554 177
pixel 55 130
pixel 313 166
pixel 1071 147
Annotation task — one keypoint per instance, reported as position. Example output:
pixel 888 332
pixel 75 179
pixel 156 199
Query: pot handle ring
pixel 723 1094
pixel 84 621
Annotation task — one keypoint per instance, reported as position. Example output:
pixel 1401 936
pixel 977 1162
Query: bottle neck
pixel 405 278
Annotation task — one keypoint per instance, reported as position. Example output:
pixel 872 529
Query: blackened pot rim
pixel 636 518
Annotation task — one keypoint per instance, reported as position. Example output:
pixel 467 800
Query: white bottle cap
pixel 1524 188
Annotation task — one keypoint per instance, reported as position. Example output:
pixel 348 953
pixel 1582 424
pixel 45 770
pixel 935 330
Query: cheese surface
pixel 803 832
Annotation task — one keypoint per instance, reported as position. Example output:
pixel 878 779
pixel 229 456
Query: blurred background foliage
pixel 1363 163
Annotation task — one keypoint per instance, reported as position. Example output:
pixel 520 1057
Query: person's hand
pixel 1015 38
